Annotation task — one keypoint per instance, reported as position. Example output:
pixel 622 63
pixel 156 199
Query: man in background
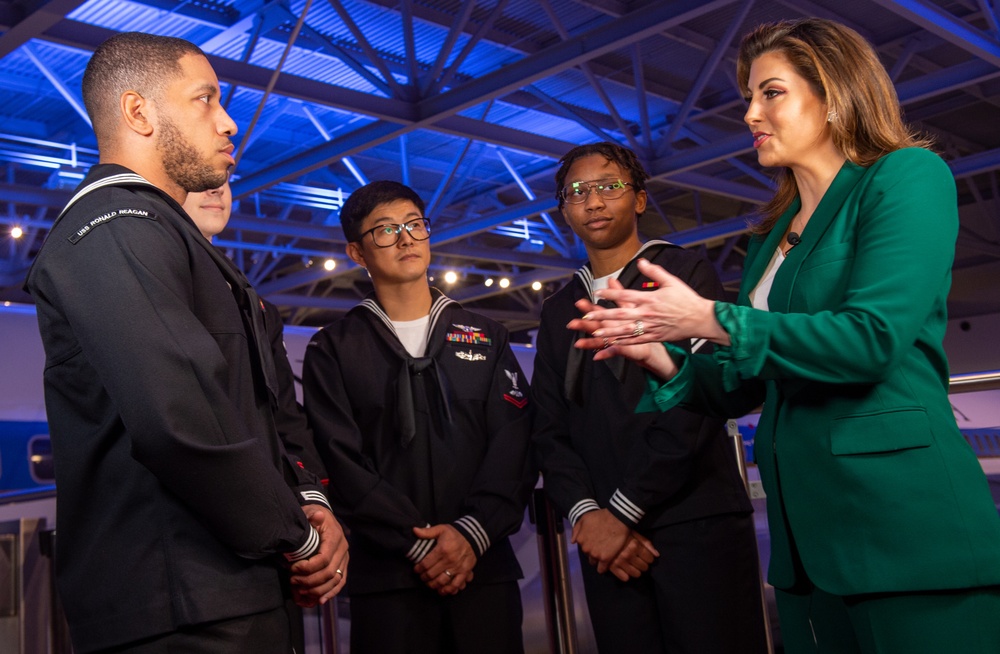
pixel 210 211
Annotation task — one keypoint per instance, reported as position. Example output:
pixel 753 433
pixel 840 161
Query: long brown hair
pixel 845 72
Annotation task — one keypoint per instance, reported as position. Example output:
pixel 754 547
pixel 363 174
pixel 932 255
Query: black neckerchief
pixel 414 367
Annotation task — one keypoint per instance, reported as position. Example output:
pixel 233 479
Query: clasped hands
pixel 610 545
pixel 447 568
pixel 320 577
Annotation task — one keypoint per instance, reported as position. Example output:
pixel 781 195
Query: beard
pixel 183 163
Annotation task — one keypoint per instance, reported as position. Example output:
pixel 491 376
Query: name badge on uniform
pixel 75 237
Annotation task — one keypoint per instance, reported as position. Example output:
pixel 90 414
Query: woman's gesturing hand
pixel 673 312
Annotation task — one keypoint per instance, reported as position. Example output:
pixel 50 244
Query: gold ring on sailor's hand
pixel 639 329
pixel 338 571
pixel 448 572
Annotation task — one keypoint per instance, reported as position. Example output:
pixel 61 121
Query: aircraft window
pixel 40 459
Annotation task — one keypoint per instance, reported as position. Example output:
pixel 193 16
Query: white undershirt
pixel 602 282
pixel 413 334
pixel 758 296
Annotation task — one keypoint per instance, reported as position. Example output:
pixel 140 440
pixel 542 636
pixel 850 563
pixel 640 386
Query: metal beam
pixel 68 96
pixel 946 80
pixel 237 29
pixel 706 72
pixel 81 35
pixel 75 34
pixel 568 112
pixel 989 14
pixel 507 137
pixel 569 53
pixel 360 139
pixel 389 83
pixel 594 43
pixel 38 17
pixel 459 59
pixel 710 232
pixel 719 186
pixel 639 75
pixel 948 27
pixel 975 164
pixel 696 157
pixel 491 220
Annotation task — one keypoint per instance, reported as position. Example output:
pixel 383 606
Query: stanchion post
pixel 741 461
pixel 60 643
pixel 328 626
pixel 557 594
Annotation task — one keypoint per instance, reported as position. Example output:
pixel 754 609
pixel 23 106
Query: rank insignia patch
pixel 514 395
pixel 468 335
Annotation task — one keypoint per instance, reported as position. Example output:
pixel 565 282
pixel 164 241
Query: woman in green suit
pixel 884 537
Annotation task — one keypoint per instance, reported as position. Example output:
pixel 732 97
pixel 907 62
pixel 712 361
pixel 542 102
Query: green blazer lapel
pixel 829 208
pixel 761 250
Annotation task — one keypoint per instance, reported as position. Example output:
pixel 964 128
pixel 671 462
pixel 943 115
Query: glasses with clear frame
pixel 578 192
pixel 388 234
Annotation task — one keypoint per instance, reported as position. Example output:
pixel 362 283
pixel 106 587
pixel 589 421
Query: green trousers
pixel 937 622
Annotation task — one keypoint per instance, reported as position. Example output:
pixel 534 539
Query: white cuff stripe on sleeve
pixel 316 497
pixel 477 532
pixel 581 507
pixel 626 506
pixel 308 548
pixel 420 549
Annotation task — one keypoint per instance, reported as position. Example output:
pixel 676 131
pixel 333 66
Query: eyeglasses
pixel 388 234
pixel 578 192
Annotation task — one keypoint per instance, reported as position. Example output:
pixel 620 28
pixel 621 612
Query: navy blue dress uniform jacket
pixel 650 469
pixel 174 492
pixel 409 441
pixel 289 416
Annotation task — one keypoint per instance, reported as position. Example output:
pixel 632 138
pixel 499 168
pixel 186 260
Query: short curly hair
pixel 610 151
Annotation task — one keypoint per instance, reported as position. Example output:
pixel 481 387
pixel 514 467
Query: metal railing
pixel 974 381
pixel 557 591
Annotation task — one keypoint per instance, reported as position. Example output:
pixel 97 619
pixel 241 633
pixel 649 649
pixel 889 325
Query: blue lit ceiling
pixel 472 104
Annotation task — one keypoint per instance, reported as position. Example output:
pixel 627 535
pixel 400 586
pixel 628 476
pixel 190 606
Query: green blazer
pixel 870 485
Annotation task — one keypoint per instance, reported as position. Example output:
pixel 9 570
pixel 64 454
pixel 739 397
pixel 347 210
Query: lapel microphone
pixel 793 239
